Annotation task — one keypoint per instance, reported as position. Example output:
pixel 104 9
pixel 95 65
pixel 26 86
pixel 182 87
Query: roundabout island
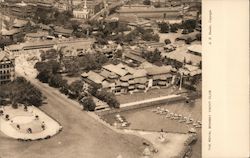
pixel 27 123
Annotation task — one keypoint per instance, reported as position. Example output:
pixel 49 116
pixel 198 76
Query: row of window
pixel 5 71
pixel 5 77
pixel 3 82
pixel 5 66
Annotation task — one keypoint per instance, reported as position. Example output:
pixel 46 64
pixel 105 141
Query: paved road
pixel 82 136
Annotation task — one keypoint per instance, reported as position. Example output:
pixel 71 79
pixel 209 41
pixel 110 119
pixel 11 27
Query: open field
pixel 147 120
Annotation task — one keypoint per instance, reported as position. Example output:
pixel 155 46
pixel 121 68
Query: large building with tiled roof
pixel 122 78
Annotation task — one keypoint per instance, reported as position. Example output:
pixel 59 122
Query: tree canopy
pixel 88 104
pixel 152 56
pixel 21 91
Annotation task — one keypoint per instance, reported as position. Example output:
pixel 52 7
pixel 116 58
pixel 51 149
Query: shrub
pixel 44 76
pixel 167 41
pixel 164 27
pixel 88 104
pixel 105 96
pixel 55 81
pixel 22 91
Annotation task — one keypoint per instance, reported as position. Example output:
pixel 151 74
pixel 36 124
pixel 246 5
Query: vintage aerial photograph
pixel 100 79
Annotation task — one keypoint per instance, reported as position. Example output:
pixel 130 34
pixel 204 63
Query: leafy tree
pixel 150 37
pixel 64 87
pixel 92 61
pixel 189 24
pixel 121 27
pixel 101 40
pixel 88 104
pixel 44 15
pixel 152 57
pixel 167 41
pixel 112 101
pixel 174 28
pixel 22 91
pixel 93 89
pixel 164 27
pixel 49 54
pixel 55 80
pixel 5 41
pixel 174 63
pixel 44 76
pixel 107 97
pixel 51 66
pixel 72 67
pixel 76 87
pixel 146 2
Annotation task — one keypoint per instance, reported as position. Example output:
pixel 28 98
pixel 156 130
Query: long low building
pixel 49 44
pixel 151 12
pixel 122 79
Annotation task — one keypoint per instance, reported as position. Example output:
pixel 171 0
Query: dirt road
pixel 82 135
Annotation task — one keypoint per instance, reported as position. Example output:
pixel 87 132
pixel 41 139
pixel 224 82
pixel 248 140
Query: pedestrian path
pixel 150 100
pixel 32 124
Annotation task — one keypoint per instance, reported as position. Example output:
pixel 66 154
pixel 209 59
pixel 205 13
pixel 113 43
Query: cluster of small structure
pixel 174 116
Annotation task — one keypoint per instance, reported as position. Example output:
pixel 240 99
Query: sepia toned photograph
pixel 100 79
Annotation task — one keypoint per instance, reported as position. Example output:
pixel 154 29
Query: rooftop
pixel 182 54
pixel 195 48
pixel 4 54
pixel 157 70
pixel 95 77
pixel 76 43
pixel 147 9
pixel 63 30
pixel 37 34
pixel 116 69
pixel 190 70
pixel 20 23
pixel 10 32
pixel 134 57
pixel 190 35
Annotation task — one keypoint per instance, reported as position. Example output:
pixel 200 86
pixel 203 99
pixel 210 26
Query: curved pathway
pixel 52 127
